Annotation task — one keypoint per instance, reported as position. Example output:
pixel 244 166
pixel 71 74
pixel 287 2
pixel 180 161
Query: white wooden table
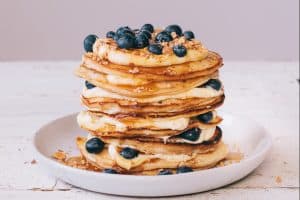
pixel 33 93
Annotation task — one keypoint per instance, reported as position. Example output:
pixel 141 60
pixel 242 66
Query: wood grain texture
pixel 34 93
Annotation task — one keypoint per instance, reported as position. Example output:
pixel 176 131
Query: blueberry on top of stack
pixel 150 96
pixel 145 37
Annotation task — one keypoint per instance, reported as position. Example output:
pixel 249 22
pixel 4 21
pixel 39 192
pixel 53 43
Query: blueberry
pixel 179 50
pixel 146 33
pixel 94 145
pixel 174 28
pixel 121 29
pixel 88 42
pixel 148 27
pixel 110 171
pixel 192 134
pixel 110 34
pixel 205 117
pixel 88 85
pixel 126 41
pixel 189 35
pixel 163 36
pixel 165 172
pixel 141 41
pixel 129 153
pixel 124 30
pixel 155 49
pixel 213 83
pixel 116 37
pixel 183 169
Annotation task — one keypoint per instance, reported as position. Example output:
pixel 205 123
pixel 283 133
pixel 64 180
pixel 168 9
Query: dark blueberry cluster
pixel 127 38
pixel 166 36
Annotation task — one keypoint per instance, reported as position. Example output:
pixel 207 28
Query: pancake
pixel 156 171
pixel 161 148
pixel 81 163
pixel 97 94
pixel 164 108
pixel 206 138
pixel 170 143
pixel 107 49
pixel 153 134
pixel 106 123
pixel 173 72
pixel 133 80
pixel 109 158
pixel 139 88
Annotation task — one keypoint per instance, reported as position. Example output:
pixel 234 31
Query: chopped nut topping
pixel 174 35
pixel 134 70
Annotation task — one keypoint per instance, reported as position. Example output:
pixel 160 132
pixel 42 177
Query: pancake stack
pixel 150 97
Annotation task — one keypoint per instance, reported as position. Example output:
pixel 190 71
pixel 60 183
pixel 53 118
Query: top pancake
pixel 107 49
pixel 174 72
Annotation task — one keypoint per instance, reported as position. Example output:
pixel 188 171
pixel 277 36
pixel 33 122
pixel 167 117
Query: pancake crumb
pixel 73 161
pixel 278 179
pixel 231 158
pixel 60 155
pixel 33 162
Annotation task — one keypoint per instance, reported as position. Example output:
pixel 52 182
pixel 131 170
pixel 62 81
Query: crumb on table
pixel 33 162
pixel 278 179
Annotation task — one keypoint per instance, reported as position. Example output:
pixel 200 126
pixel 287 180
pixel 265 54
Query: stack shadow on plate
pixel 150 109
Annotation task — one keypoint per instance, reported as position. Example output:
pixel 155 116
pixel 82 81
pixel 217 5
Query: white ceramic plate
pixel 251 137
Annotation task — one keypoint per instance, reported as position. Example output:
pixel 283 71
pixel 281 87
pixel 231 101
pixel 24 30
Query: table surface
pixel 34 93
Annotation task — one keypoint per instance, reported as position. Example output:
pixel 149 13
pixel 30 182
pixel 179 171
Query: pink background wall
pixel 238 29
